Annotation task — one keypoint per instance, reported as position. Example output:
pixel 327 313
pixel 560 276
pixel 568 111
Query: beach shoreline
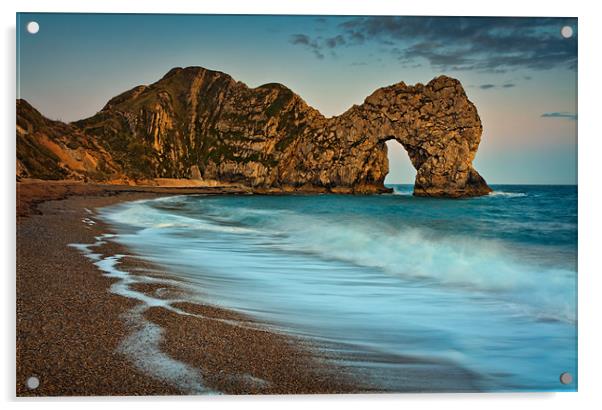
pixel 70 326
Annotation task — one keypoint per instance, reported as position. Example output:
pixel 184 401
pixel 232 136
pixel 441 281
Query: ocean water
pixel 406 293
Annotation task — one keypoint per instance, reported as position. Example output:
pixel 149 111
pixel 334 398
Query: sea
pixel 404 293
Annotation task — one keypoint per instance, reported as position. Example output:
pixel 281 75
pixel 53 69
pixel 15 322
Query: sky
pixel 521 73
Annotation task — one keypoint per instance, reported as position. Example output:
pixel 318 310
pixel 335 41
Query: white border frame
pixel 590 205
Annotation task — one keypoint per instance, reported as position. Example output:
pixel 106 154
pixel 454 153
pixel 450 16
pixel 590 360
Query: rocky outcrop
pixel 54 150
pixel 436 124
pixel 198 123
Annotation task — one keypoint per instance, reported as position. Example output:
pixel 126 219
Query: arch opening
pixel 402 174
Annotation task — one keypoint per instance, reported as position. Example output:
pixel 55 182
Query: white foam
pixel 88 221
pixel 143 344
pixel 480 264
pixel 450 260
pixel 143 347
pixel 397 191
pixel 507 194
pixel 140 215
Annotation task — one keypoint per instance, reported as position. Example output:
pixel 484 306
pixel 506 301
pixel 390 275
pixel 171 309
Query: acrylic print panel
pixel 219 204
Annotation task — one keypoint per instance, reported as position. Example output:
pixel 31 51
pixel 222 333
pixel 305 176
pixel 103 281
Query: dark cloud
pixel 312 44
pixel 489 86
pixel 319 44
pixel 300 39
pixel 335 41
pixel 566 115
pixel 356 37
pixel 485 44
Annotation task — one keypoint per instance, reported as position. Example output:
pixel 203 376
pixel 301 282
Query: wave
pixel 410 253
pixel 507 194
pixel 427 255
pixel 140 215
pixel 408 190
pixel 402 193
pixel 366 273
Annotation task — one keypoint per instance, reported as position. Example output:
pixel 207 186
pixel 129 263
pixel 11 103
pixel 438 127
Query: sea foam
pixel 394 276
pixel 142 345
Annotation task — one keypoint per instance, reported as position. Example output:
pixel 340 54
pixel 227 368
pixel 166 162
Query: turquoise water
pixel 409 294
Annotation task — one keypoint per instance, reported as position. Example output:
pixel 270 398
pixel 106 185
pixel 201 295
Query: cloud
pixel 300 39
pixel 356 37
pixel 563 114
pixel 335 41
pixel 309 43
pixel 486 44
pixel 318 44
pixel 490 86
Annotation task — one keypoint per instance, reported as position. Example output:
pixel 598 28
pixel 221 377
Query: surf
pixel 388 275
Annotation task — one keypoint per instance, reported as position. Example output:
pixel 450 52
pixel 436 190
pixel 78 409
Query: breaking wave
pixel 475 282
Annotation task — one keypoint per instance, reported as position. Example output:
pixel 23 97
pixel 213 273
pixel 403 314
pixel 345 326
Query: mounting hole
pixel 32 383
pixel 566 378
pixel 33 27
pixel 566 32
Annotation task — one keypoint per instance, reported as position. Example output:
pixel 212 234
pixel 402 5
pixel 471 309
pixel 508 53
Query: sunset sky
pixel 519 72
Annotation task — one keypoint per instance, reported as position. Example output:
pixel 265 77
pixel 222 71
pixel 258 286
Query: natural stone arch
pixel 440 130
pixel 436 124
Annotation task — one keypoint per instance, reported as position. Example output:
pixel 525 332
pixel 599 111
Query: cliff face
pixel 54 150
pixel 200 123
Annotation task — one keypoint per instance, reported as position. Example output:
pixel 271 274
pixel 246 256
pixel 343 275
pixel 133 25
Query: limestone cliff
pixel 201 123
pixel 54 150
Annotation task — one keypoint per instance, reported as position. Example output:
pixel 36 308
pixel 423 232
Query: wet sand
pixel 70 326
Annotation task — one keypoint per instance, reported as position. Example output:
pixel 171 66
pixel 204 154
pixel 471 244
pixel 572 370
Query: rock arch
pixel 440 130
pixel 437 125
